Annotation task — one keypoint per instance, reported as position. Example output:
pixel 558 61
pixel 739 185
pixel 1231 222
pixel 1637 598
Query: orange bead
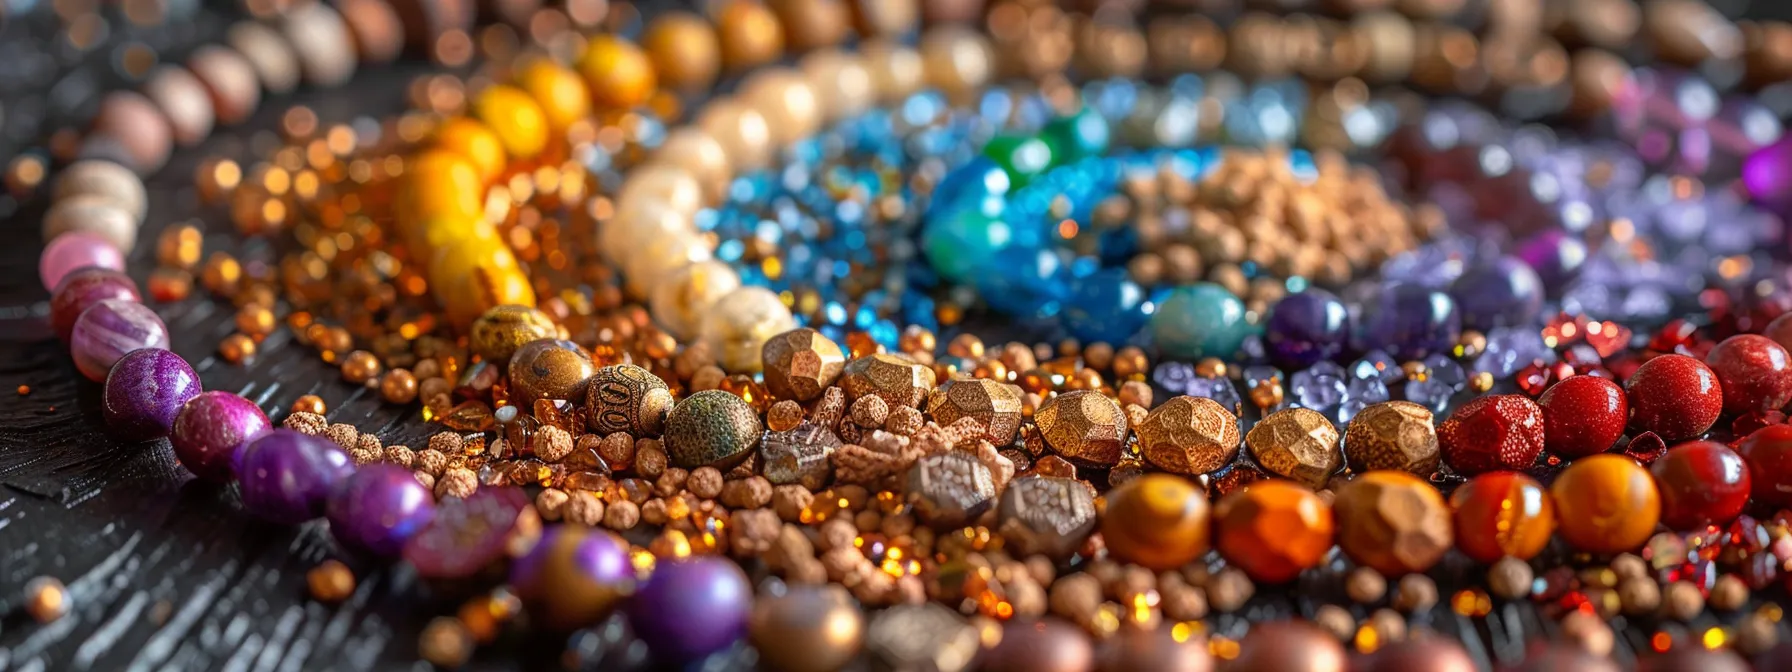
pixel 1157 520
pixel 1392 521
pixel 1606 503
pixel 441 182
pixel 1501 514
pixel 515 117
pixel 619 73
pixel 475 142
pixel 560 92
pixel 1273 530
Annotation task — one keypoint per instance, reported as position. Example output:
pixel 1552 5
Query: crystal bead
pixel 1442 369
pixel 1377 364
pixel 1218 389
pixel 1320 387
pixel 1431 393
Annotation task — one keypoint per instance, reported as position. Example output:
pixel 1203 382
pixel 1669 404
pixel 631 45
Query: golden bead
pixel 684 51
pixel 398 386
pixel 497 334
pixel 1393 435
pixel 474 141
pixel 309 403
pixel 558 90
pixel 439 182
pixel 744 133
pixel 360 366
pixel 46 599
pixel 916 338
pixel 1298 444
pixel 627 398
pixel 800 364
pixel 549 369
pixel 737 328
pixel 236 348
pixel 1083 427
pixel 965 345
pixel 619 73
pixel 515 117
pixel 995 405
pixel 1130 363
pixel 749 33
pixel 255 320
pixel 789 104
pixel 807 628
pixel 899 380
pixel 1189 435
pixel 680 298
pixel 1211 367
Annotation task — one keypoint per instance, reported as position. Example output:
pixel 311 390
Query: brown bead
pixel 309 403
pixel 1298 444
pixel 921 637
pixel 1189 435
pixel 229 80
pixel 799 456
pixel 376 27
pixel 185 102
pixel 1158 650
pixel 1392 521
pixel 994 404
pixel 398 386
pixel 807 629
pixel 46 599
pixel 712 428
pixel 812 24
pixel 950 490
pixel 1395 435
pixel 801 363
pixel 1157 520
pixel 360 366
pixel 1289 646
pixel 1047 645
pixel 1046 516
pixel 497 334
pixel 899 380
pixel 445 643
pixel 627 398
pixel 750 34
pixel 549 369
pixel 1083 427
pixel 684 51
pixel 330 582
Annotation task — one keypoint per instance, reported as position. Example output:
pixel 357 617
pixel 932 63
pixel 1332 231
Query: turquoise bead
pixel 1023 157
pixel 960 242
pixel 1200 320
pixel 1078 136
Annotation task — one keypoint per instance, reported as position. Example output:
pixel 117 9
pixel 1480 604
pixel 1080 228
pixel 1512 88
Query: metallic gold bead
pixel 398 386
pixel 309 403
pixel 995 404
pixel 497 334
pixel 801 363
pixel 1414 370
pixel 626 398
pixel 1046 516
pixel 1482 381
pixel 916 338
pixel 236 348
pixel 360 366
pixel 1211 367
pixel 950 490
pixel 750 34
pixel 684 50
pixel 899 380
pixel 711 428
pixel 1393 522
pixel 1189 435
pixel 807 629
pixel 1393 435
pixel 549 369
pixel 1083 427
pixel 1298 444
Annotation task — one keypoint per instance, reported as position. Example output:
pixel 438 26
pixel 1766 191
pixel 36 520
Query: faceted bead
pixel 1298 444
pixel 1754 372
pixel 1509 350
pixel 573 577
pixel 81 289
pixel 799 456
pixel 1078 136
pixel 144 393
pixel 497 334
pixel 1675 396
pixel 1273 530
pixel 1189 435
pixel 1505 292
pixel 1159 521
pixel 801 363
pixel 1768 454
pixel 1221 390
pixel 1432 393
pixel 287 477
pixel 1605 504
pixel 1200 320
pixel 1084 427
pixel 72 251
pixel 108 330
pixel 950 490
pixel 899 380
pixel 626 398
pixel 549 369
pixel 1377 365
pixel 379 508
pixel 1394 435
pixel 1702 483
pixel 1392 522
pixel 1306 328
pixel 1108 307
pixel 1502 514
pixel 996 405
pixel 1500 431
pixel 711 428
pixel 1583 415
pixel 1412 321
pixel 1046 516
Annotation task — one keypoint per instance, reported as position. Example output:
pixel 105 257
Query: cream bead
pixel 740 323
pixel 662 182
pixel 94 214
pixel 896 69
pixel 654 258
pixel 112 182
pixel 629 229
pixel 841 82
pixel 791 108
pixel 276 66
pixel 742 130
pixel 184 100
pixel 322 42
pixel 681 298
pixel 957 60
pixel 1391 45
pixel 697 152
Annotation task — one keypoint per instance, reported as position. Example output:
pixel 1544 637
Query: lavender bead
pixel 287 477
pixel 573 577
pixel 145 392
pixel 81 289
pixel 378 508
pixel 1307 328
pixel 1412 321
pixel 71 251
pixel 210 428
pixel 1504 292
pixel 109 329
pixel 691 608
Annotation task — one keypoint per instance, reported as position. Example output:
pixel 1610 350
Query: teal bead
pixel 1023 157
pixel 961 242
pixel 1200 320
pixel 1076 137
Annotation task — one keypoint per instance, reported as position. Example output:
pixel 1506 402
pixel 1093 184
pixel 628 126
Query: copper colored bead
pixel 923 636
pixel 1298 444
pixel 549 369
pixel 377 29
pixel 801 363
pixel 229 80
pixel 684 51
pixel 1289 646
pixel 497 334
pixel 1392 522
pixel 1083 427
pixel 1273 530
pixel 1430 654
pixel 1048 645
pixel 807 629
pixel 995 405
pixel 886 18
pixel 899 380
pixel 750 34
pixel 626 398
pixel 950 490
pixel 1392 435
pixel 1189 435
pixel 711 428
pixel 812 24
pixel 1159 521
pixel 398 386
pixel 1046 516
pixel 138 127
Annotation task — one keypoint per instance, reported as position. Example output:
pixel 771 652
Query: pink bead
pixel 70 251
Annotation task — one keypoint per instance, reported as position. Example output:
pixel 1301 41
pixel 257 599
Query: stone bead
pixel 1501 293
pixel 800 364
pixel 1675 396
pixel 1583 415
pixel 1498 431
pixel 1605 503
pixel 739 325
pixel 1392 522
pixel 82 289
pixel 957 60
pixel 1768 454
pixel 377 28
pixel 790 106
pixel 209 429
pixel 1701 483
pixel 900 381
pixel 749 34
pixel 286 477
pixel 799 456
pixel 1084 427
pixel 1754 372
pixel 743 131
pixel 1044 515
pixel 627 398
pixel 378 509
pixel 472 140
pixel 1298 444
pixel 1306 328
pixel 1189 435
pixel 108 330
pixel 93 215
pixel 559 91
pixel 138 127
pixel 515 116
pixel 1045 645
pixel 807 629
pixel 321 41
pixel 549 369
pixel 276 66
pixel 842 84
pixel 1273 530
pixel 691 607
pixel 1412 321
pixel 574 577
pixel 699 155
pixel 107 181
pixel 711 428
pixel 1200 320
pixel 1156 520
pixel 996 405
pixel 71 251
pixel 684 51
pixel 949 490
pixel 618 72
pixel 497 334
pixel 183 100
pixel 1502 514
pixel 659 257
pixel 144 394
pixel 923 636
pixel 1392 435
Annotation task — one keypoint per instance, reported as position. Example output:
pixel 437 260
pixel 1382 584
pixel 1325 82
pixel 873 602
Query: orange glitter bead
pixel 1501 514
pixel 1157 520
pixel 1273 530
pixel 1606 503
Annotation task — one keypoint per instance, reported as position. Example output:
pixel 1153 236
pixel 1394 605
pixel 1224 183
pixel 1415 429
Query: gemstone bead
pixel 1675 396
pixel 959 242
pixel 1583 415
pixel 1499 431
pixel 899 380
pixel 1501 293
pixel 1298 444
pixel 286 477
pixel 1754 372
pixel 1107 306
pixel 1189 435
pixel 711 428
pixel 1023 157
pixel 1394 435
pixel 573 577
pixel 81 289
pixel 379 508
pixel 497 334
pixel 1200 320
pixel 209 429
pixel 1273 530
pixel 1768 454
pixel 469 534
pixel 71 251
pixel 1156 520
pixel 1411 321
pixel 1046 515
pixel 144 393
pixel 1306 328
pixel 1084 427
pixel 1502 514
pixel 996 405
pixel 108 330
pixel 549 369
pixel 1392 522
pixel 691 607
pixel 626 398
pixel 800 364
pixel 1701 483
pixel 1605 504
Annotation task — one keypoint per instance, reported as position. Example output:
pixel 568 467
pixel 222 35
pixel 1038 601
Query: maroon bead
pixel 82 288
pixel 1646 448
pixel 1500 431
pixel 1583 415
pixel 1755 372
pixel 1675 396
pixel 209 430
pixel 1702 483
pixel 1780 331
pixel 1768 453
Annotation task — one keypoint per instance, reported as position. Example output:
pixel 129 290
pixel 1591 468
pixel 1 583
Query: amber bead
pixel 1189 435
pixel 1046 516
pixel 443 182
pixel 1083 427
pixel 995 405
pixel 1273 530
pixel 711 428
pixel 950 490
pixel 807 629
pixel 1157 520
pixel 749 33
pixel 1606 503
pixel 900 381
pixel 1298 444
pixel 497 334
pixel 1502 514
pixel 1392 521
pixel 557 89
pixel 618 72
pixel 475 142
pixel 515 117
pixel 801 363
pixel 684 51
pixel 549 369
pixel 627 398
pixel 1392 435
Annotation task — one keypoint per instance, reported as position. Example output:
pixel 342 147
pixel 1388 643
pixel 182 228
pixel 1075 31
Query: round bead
pixel 1084 427
pixel 573 577
pixel 108 330
pixel 691 607
pixel 684 51
pixel 1156 649
pixel 475 142
pixel 1502 293
pixel 145 392
pixel 1078 136
pixel 681 298
pixel 1392 522
pixel 740 323
pixel 1605 504
pixel 660 257
pixel 287 477
pixel 807 629
pixel 960 243
pixel 1306 328
pixel 443 190
pixel 497 334
pixel 469 534
pixel 711 428
pixel 1430 654
pixel 790 106
pixel 516 118
pixel 1023 156
pixel 1189 435
pixel 558 90
pixel 210 428
pixel 1754 372
pixel 71 251
pixel 377 28
pixel 1396 435
pixel 1701 483
pixel 641 222
pixel 1289 646
pixel 474 275
pixel 661 183
pixel 378 509
pixel 321 41
pixel 957 60
pixel 183 100
pixel 749 34
pixel 800 364
pixel 701 156
pixel 1273 530
pixel 1583 415
pixel 1502 514
pixel 138 127
pixel 627 398
pixel 1780 331
pixel 1675 396
pixel 81 289
pixel 1046 515
pixel 1768 454
pixel 841 82
pixel 107 181
pixel 1412 321
pixel 1200 320
pixel 93 215
pixel 1498 431
pixel 896 69
pixel 618 72
pixel 1040 646
pixel 996 406
pixel 276 66
pixel 1298 444
pixel 549 369
pixel 1156 520
pixel 742 130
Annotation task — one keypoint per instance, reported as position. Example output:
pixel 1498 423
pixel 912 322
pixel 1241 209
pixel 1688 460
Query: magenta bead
pixel 70 251
pixel 108 330
pixel 82 288
pixel 379 508
pixel 145 392
pixel 210 428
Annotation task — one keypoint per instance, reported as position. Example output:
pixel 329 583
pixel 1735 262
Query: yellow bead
pixel 558 89
pixel 441 182
pixel 515 117
pixel 475 141
pixel 440 231
pixel 472 275
pixel 619 73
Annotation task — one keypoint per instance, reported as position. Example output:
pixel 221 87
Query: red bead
pixel 1583 415
pixel 1675 396
pixel 1768 453
pixel 1534 379
pixel 1780 331
pixel 1701 483
pixel 1502 513
pixel 1646 448
pixel 1755 372
pixel 1499 431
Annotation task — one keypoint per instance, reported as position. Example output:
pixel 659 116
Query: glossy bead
pixel 446 183
pixel 1156 649
pixel 517 119
pixel 209 429
pixel 144 394
pixel 618 72
pixel 701 156
pixel 899 380
pixel 1502 514
pixel 1605 504
pixel 1393 435
pixel 997 406
pixel 1498 431
pixel 94 215
pixel 549 369
pixel 661 183
pixel 1392 522
pixel 107 181
pixel 1273 530
pixel 740 323
pixel 1754 372
pixel 81 289
pixel 1298 444
pixel 276 67
pixel 1501 293
pixel 627 398
pixel 377 28
pixel 1431 654
pixel 574 577
pixel 959 243
pixel 636 225
pixel 1701 483
pixel 183 100
pixel 711 428
pixel 745 134
pixel 557 89
pixel 1077 136
pixel 1412 321
pixel 322 43
pixel 137 127
pixel 1048 645
pixel 957 60
pixel 1675 396
pixel 1200 320
pixel 1083 426
pixel 1189 435
pixel 691 607
pixel 842 83
pixel 108 330
pixel 1289 646
pixel 76 250
pixel 1157 520
pixel 1024 157
pixel 1780 331
pixel 286 477
pixel 684 51
pixel 497 334
pixel 1768 453
pixel 473 276
pixel 1583 415
pixel 749 34
pixel 1306 328
pixel 1107 306
pixel 472 140
pixel 789 104
pixel 807 629
pixel 800 364
pixel 1046 515
pixel 378 508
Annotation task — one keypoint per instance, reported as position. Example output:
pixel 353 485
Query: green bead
pixel 1200 320
pixel 1078 136
pixel 964 241
pixel 1023 157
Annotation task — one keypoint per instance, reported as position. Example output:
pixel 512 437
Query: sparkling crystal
pixel 1174 375
pixel 1377 364
pixel 1442 369
pixel 1430 393
pixel 1218 389
pixel 1320 387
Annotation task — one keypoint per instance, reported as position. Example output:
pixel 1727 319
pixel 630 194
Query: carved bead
pixel 627 398
pixel 1393 522
pixel 1084 427
pixel 800 363
pixel 1047 516
pixel 900 381
pixel 1298 444
pixel 951 489
pixel 1189 435
pixel 1392 435
pixel 996 405
pixel 711 428
pixel 799 456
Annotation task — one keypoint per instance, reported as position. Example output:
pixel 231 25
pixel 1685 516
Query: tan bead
pixel 92 214
pixel 899 380
pixel 801 363
pixel 184 100
pixel 276 66
pixel 107 181
pixel 645 220
pixel 896 69
pixel 138 128
pixel 229 80
pixel 791 108
pixel 741 129
pixel 1189 435
pixel 497 334
pixel 626 398
pixel 841 83
pixel 1298 444
pixel 1392 435
pixel 1393 522
pixel 680 298
pixel 376 27
pixel 325 50
pixel 656 258
pixel 958 60
pixel 684 51
pixel 664 183
pixel 994 404
pixel 702 156
pixel 813 24
pixel 1083 427
pixel 737 328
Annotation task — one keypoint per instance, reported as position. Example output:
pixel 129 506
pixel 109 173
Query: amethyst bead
pixel 210 428
pixel 1556 257
pixel 1412 321
pixel 107 330
pixel 691 608
pixel 1767 176
pixel 1307 328
pixel 379 508
pixel 574 577
pixel 1503 293
pixel 81 289
pixel 287 477
pixel 145 392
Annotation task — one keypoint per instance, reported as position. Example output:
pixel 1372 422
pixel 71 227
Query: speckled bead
pixel 378 508
pixel 1189 435
pixel 626 398
pixel 799 456
pixel 497 334
pixel 144 394
pixel 1298 444
pixel 286 477
pixel 1392 435
pixel 108 330
pixel 900 381
pixel 83 288
pixel 711 428
pixel 209 429
pixel 996 405
pixel 1393 522
pixel 1084 427
pixel 800 364
pixel 740 323
pixel 949 490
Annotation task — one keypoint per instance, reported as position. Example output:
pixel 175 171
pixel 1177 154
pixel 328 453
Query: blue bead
pixel 1024 281
pixel 968 185
pixel 1106 306
pixel 1200 320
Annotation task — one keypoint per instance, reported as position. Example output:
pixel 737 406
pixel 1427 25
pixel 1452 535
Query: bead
pixel 1298 444
pixel 635 226
pixel 1394 435
pixel 1200 320
pixel 807 629
pixel 1189 435
pixel 1501 293
pixel 276 67
pixel 1022 156
pixel 93 215
pixel 1411 322
pixel 474 276
pixel 739 325
pixel 1605 504
pixel 558 90
pixel 549 369
pixel 573 577
pixel 321 41
pixel 994 405
pixel 108 330
pixel 378 509
pixel 470 533
pixel 684 51
pixel 961 242
pixel 743 132
pixel 1273 530
pixel 1497 431
pixel 1392 522
pixel 76 250
pixel 1157 649
pixel 1157 520
pixel 183 100
pixel 137 127
pixel 800 364
pixel 949 490
pixel 749 34
pixel 627 398
pixel 1583 415
pixel 690 608
pixel 1306 328
pixel 842 84
pixel 377 28
pixel 923 636
pixel 107 181
pixel 81 289
pixel 711 428
pixel 497 334
pixel 1768 453
pixel 900 381
pixel 475 142
pixel 1430 654
pixel 618 72
pixel 515 117
pixel 1701 483
pixel 1078 136
pixel 286 477
pixel 1289 646
pixel 144 393
pixel 789 105
pixel 1675 396
pixel 209 429
pixel 1502 514
pixel 1040 646
pixel 1754 372
pixel 1084 427
pixel 957 60
pixel 799 456
pixel 701 156
pixel 1780 330
pixel 1043 515
pixel 896 69
pixel 443 190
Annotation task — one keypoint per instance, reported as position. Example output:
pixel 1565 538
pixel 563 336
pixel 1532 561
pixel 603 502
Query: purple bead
pixel 1767 175
pixel 145 392
pixel 70 251
pixel 82 288
pixel 1412 321
pixel 107 330
pixel 1505 292
pixel 691 608
pixel 379 508
pixel 1307 328
pixel 468 535
pixel 287 477
pixel 574 577
pixel 210 428
pixel 1555 256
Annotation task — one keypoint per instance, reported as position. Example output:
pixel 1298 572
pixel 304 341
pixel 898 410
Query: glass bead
pixel 209 429
pixel 1606 504
pixel 475 142
pixel 690 608
pixel 1078 136
pixel 573 576
pixel 1273 530
pixel 1306 328
pixel 1502 514
pixel 1022 157
pixel 961 242
pixel 1675 396
pixel 1768 454
pixel 287 477
pixel 1701 483
pixel 1504 292
pixel 1106 306
pixel 1158 521
pixel 1199 320
pixel 108 330
pixel 72 251
pixel 1411 321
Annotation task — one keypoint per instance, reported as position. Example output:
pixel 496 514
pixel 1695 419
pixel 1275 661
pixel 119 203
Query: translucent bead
pixel 76 250
pixel 618 72
pixel 475 142
pixel 108 330
pixel 702 156
pixel 442 182
pixel 517 119
pixel 650 262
